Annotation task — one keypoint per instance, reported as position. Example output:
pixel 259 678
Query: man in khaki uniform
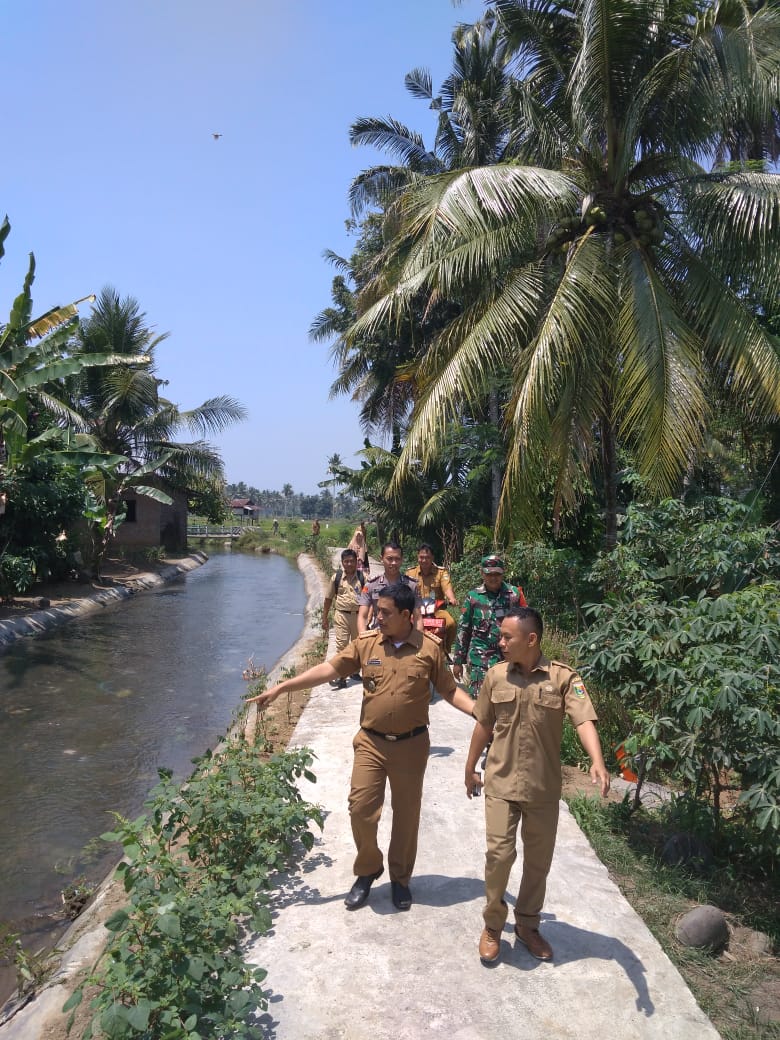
pixel 520 707
pixel 398 664
pixel 345 589
pixel 433 582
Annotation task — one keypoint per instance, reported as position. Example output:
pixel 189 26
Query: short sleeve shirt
pixel 396 680
pixel 374 587
pixel 526 714
pixel 436 584
pixel 347 596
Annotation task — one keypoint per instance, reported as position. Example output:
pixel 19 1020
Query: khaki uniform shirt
pixel 347 596
pixel 396 680
pixel 526 713
pixel 435 585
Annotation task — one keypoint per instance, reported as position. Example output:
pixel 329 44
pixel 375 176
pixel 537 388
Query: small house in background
pixel 149 523
pixel 245 507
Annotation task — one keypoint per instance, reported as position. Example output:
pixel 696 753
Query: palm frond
pixel 660 403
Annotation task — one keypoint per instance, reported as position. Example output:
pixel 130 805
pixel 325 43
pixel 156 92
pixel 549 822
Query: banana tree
pixel 107 481
pixel 35 355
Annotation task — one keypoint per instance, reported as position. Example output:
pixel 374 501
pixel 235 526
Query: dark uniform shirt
pixel 526 713
pixel 375 586
pixel 396 680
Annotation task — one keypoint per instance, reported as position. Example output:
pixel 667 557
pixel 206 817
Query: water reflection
pixel 88 713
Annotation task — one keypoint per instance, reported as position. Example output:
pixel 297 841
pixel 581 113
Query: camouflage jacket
pixel 479 629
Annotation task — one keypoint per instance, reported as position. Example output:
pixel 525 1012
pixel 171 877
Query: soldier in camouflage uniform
pixel 479 627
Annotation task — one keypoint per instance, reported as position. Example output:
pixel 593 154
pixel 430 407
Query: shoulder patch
pixel 578 689
pixel 432 637
pixel 367 633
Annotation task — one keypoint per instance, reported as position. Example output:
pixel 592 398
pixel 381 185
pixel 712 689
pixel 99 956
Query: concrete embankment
pixel 13 629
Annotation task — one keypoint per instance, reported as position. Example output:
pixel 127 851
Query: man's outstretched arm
pixel 315 676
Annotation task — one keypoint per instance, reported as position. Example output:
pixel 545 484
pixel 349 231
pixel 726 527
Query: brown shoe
pixel 489 945
pixel 536 945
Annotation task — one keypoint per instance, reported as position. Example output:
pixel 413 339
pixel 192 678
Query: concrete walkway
pixel 377 974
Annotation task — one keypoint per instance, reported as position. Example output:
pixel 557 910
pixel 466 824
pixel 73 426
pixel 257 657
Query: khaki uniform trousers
pixel 450 628
pixel 403 763
pixel 345 628
pixel 538 828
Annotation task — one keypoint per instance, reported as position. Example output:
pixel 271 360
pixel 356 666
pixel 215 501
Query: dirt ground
pixel 116 571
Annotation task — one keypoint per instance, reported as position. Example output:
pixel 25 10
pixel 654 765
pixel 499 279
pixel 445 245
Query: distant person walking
pixel 276 527
pixel 359 543
pixel 345 587
pixel 315 532
pixel 479 627
pixel 520 707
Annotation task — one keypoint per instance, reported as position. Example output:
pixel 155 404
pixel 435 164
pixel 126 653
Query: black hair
pixel 528 614
pixel 391 545
pixel 402 596
pixel 425 545
pixel 348 552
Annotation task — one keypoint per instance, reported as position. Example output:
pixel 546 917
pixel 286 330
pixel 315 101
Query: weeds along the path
pixel 197 871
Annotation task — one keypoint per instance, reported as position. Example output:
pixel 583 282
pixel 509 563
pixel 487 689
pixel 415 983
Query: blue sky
pixel 111 176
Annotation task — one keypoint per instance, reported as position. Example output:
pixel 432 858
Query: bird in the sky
pixel 216 136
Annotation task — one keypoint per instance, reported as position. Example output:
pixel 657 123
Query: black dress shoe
pixel 358 894
pixel 402 897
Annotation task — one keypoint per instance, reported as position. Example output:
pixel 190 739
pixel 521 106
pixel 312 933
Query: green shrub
pixel 697 666
pixel 197 871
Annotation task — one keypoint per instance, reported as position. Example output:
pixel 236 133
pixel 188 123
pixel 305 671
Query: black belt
pixel 395 736
pixel 341 610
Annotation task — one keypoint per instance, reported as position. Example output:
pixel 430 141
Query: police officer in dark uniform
pixel 391 557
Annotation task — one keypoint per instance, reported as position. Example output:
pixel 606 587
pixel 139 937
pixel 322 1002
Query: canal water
pixel 90 711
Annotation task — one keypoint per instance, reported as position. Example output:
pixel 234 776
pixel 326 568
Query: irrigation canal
pixel 90 711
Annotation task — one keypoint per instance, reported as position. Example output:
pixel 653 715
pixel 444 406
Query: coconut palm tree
pixel 288 493
pixel 125 415
pixel 474 127
pixel 609 263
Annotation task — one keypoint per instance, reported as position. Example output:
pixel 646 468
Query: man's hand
pixel 324 622
pixel 265 698
pixel 599 774
pixel 474 783
pixel 457 671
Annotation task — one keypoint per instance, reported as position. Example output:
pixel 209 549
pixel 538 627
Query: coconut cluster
pixel 642 219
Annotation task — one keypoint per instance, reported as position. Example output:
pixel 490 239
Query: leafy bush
pixel 45 500
pixel 698 666
pixel 555 581
pixel 196 872
pixel 17 574
pixel 674 550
